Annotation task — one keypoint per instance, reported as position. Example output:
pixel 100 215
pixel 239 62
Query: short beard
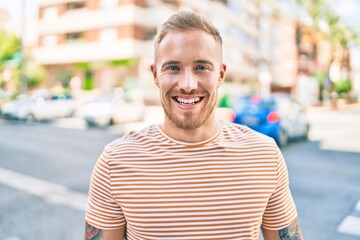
pixel 190 121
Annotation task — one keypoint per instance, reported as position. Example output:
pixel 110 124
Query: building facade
pixel 109 43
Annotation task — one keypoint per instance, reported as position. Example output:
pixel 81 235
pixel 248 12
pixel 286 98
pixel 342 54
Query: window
pixel 50 13
pixel 108 35
pixel 222 1
pixel 50 40
pixel 75 37
pixel 108 3
pixel 75 5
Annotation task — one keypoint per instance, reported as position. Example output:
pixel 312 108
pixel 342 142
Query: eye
pixel 173 68
pixel 201 68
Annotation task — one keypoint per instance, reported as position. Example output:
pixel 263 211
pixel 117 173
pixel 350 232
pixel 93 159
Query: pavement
pixel 152 115
pixel 351 223
pixel 336 129
pixel 316 175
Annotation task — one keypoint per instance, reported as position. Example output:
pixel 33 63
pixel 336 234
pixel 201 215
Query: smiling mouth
pixel 188 101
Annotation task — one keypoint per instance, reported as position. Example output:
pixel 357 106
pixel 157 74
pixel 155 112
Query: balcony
pixel 91 52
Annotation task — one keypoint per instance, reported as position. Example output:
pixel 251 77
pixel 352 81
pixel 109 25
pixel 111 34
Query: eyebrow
pixel 204 62
pixel 172 62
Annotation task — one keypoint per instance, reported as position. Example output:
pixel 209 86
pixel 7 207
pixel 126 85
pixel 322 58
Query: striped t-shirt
pixel 226 187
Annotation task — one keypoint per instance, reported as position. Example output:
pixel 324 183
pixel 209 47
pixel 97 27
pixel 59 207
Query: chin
pixel 189 120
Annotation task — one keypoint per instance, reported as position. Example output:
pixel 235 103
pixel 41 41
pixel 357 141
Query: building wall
pixel 125 30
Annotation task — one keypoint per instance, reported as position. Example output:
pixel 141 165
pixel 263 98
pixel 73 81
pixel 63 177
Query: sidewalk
pixel 336 129
pixel 152 115
pixel 353 107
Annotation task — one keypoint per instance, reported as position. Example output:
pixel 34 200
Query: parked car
pixel 40 105
pixel 21 108
pixel 114 107
pixel 58 106
pixel 4 97
pixel 278 116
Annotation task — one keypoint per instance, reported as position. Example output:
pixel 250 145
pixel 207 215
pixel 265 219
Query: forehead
pixel 190 44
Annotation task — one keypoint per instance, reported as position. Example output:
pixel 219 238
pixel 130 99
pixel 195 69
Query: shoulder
pixel 134 142
pixel 245 134
pixel 244 140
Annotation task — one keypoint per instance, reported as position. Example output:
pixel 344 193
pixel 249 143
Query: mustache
pixel 193 92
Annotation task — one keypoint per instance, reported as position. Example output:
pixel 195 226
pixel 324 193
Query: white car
pixel 22 107
pixel 56 107
pixel 19 109
pixel 115 107
pixel 40 106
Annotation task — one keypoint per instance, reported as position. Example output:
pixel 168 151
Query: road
pixel 45 171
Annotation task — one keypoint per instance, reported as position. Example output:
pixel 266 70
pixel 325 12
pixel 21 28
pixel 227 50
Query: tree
pixel 9 55
pixel 337 34
pixel 9 46
pixel 10 61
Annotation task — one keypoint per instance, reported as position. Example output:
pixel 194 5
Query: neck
pixel 204 132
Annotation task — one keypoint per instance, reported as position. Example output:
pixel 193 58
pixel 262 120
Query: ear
pixel 154 73
pixel 222 74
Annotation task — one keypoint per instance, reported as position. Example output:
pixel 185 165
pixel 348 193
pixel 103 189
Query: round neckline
pixel 191 144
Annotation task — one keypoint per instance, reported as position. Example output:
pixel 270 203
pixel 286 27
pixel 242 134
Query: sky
pixel 350 10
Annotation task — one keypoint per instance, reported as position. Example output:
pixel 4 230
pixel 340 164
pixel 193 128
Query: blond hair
pixel 185 21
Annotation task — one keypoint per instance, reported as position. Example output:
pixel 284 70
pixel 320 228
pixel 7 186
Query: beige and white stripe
pixel 222 188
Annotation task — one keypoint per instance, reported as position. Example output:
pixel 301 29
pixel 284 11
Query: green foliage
pixel 321 77
pixel 122 62
pixel 343 87
pixel 339 32
pixel 83 65
pixel 88 81
pixel 226 101
pixel 316 9
pixel 9 46
pixel 34 74
pixel 322 11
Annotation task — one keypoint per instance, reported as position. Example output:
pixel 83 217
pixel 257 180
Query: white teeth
pixel 188 101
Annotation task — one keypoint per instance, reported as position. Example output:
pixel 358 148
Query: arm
pixel 291 232
pixel 93 233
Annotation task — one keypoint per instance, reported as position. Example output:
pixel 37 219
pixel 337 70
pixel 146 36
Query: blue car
pixel 278 116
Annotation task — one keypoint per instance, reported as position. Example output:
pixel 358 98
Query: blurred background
pixel 74 75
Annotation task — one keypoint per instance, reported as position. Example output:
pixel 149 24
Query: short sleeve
pixel 280 211
pixel 102 210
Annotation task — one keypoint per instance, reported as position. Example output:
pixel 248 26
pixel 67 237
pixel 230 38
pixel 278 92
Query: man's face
pixel 188 71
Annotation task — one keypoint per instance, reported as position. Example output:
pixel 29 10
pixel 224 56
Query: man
pixel 190 177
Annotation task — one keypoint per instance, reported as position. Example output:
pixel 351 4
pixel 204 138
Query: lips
pixel 187 101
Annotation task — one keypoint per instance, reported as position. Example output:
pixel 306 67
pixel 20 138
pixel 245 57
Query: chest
pixel 185 194
pixel 206 181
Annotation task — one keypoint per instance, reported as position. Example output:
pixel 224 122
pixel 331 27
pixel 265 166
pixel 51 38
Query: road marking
pixel 51 192
pixel 12 238
pixel 350 225
pixel 357 208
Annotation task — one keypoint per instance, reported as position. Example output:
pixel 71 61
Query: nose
pixel 188 81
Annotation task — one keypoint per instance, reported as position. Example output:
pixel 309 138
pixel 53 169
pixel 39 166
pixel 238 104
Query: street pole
pixel 23 83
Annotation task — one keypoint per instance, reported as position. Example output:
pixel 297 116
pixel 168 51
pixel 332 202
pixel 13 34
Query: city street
pixel 45 170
